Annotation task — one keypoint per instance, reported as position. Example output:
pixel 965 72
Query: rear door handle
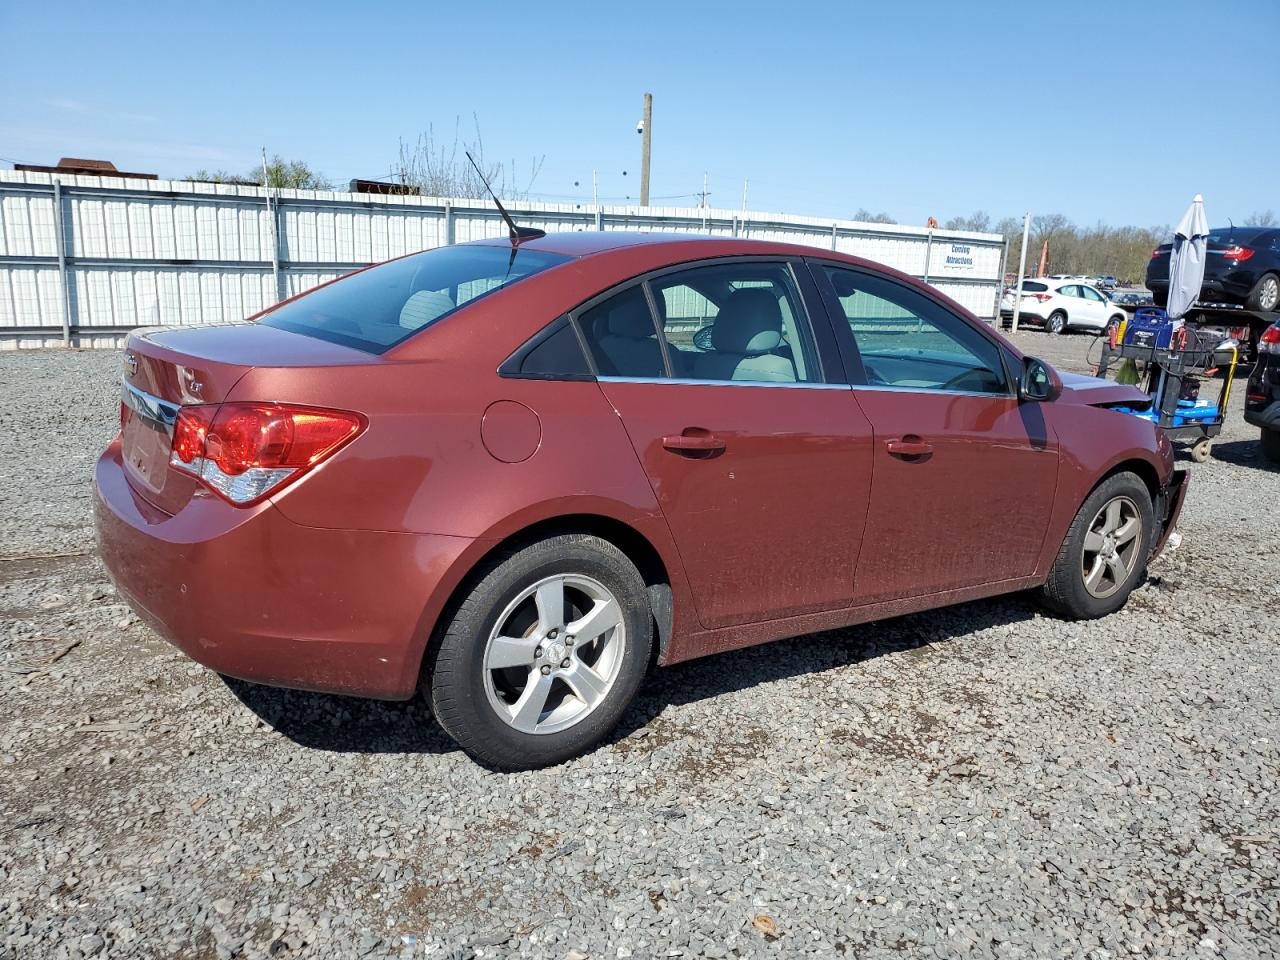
pixel 908 447
pixel 693 443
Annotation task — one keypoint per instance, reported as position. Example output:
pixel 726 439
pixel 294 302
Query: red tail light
pixel 243 451
pixel 1238 253
pixel 1157 252
pixel 1042 297
pixel 1269 342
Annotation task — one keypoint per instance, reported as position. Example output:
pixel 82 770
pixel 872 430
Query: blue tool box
pixel 1150 327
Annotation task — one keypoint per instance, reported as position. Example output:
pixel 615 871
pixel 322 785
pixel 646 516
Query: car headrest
pixel 631 317
pixel 749 322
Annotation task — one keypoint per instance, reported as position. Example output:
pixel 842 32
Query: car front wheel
pixel 1057 322
pixel 544 653
pixel 1104 555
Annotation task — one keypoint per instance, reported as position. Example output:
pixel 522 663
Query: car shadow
pixel 351 725
pixel 1244 453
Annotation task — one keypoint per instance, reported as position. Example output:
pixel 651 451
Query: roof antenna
pixel 518 234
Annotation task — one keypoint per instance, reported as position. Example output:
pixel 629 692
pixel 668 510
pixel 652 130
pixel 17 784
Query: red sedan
pixel 514 475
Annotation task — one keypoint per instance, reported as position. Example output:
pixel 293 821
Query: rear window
pixel 1233 235
pixel 375 309
pixel 1030 286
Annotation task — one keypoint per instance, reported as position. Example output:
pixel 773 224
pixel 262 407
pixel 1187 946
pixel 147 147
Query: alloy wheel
pixel 554 654
pixel 1269 295
pixel 1111 547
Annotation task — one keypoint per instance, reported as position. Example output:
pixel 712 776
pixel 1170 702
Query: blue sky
pixel 916 109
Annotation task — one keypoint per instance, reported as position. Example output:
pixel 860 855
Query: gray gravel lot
pixel 978 781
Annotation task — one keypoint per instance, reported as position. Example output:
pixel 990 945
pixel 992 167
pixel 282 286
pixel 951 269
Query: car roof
pixel 584 243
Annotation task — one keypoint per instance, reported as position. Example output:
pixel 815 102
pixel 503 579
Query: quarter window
pixel 908 341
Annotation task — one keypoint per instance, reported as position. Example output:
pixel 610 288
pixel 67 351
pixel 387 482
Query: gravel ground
pixel 977 781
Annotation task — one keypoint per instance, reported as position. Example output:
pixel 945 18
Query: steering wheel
pixel 955 382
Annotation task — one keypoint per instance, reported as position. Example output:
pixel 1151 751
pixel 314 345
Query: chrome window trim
pixel 160 412
pixel 798 385
pixel 888 388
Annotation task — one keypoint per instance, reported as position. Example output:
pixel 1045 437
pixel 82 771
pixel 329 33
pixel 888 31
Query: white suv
pixel 1062 305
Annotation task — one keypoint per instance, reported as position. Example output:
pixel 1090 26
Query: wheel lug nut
pixel 545 670
pixel 537 651
pixel 552 634
pixel 568 641
pixel 564 664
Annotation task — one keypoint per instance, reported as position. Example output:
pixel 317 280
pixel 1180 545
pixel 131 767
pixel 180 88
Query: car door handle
pixel 698 443
pixel 908 447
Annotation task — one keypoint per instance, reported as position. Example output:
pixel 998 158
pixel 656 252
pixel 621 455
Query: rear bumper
pixel 1172 498
pixel 1267 417
pixel 251 594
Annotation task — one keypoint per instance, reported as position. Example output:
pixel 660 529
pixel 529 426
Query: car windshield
pixel 375 309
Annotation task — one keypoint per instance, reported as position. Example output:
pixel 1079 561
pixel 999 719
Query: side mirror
pixel 1039 381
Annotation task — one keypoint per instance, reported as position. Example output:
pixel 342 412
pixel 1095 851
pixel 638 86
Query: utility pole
pixel 1022 269
pixel 646 135
pixel 744 194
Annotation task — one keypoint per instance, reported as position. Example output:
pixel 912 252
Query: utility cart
pixel 1175 362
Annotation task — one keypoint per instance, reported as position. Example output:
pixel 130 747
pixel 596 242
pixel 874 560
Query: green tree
pixel 294 175
pixel 281 174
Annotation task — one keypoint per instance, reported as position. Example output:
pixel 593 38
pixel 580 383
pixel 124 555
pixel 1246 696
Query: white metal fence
pixel 87 258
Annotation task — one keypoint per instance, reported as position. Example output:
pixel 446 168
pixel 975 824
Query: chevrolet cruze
pixel 514 475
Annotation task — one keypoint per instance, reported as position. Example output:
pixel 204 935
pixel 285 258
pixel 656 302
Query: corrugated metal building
pixel 95 256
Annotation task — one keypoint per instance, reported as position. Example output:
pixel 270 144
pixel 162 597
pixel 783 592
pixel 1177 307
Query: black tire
pixel 460 690
pixel 1160 298
pixel 1265 295
pixel 1065 592
pixel 1057 322
pixel 1270 440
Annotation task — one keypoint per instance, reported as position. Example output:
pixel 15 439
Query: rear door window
pixel 377 308
pixel 735 321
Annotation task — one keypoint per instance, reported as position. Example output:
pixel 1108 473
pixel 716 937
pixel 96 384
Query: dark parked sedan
pixel 1262 399
pixel 1242 266
pixel 514 475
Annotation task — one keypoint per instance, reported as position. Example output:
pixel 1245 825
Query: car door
pixel 760 462
pixel 1095 306
pixel 963 473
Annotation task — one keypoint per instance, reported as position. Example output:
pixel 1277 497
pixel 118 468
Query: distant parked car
pixel 1107 283
pixel 1262 398
pixel 1242 267
pixel 1062 305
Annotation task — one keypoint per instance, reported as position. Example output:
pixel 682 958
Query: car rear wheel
pixel 1104 555
pixel 1271 444
pixel 543 654
pixel 1265 295
pixel 1057 322
pixel 1160 298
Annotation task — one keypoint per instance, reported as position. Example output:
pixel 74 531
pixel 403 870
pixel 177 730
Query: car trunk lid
pixel 166 369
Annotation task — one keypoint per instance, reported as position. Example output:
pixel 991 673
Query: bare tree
pixel 1262 218
pixel 863 215
pixel 978 221
pixel 440 169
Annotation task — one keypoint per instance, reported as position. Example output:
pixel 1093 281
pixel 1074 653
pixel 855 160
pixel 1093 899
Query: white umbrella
pixel 1186 260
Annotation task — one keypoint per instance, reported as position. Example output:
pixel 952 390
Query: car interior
pixel 719 323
